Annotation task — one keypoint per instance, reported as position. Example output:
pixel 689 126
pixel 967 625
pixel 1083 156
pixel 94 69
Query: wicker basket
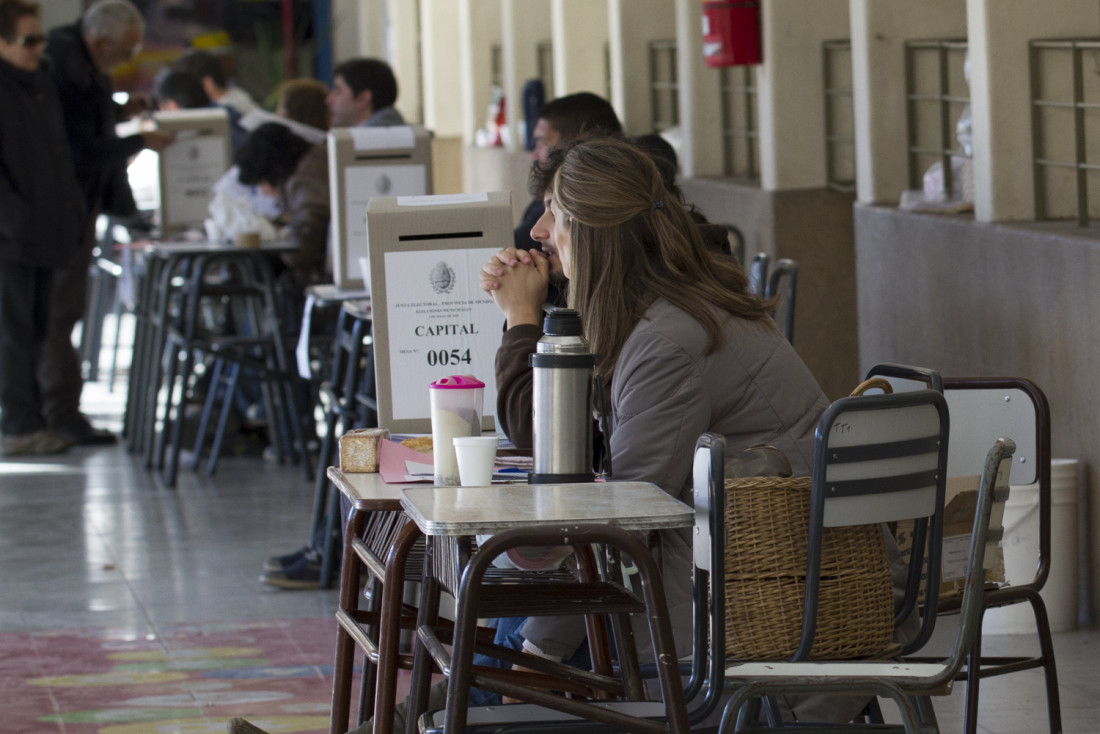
pixel 768 526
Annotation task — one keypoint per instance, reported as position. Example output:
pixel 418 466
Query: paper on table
pixel 401 465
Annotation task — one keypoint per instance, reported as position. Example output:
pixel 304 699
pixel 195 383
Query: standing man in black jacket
pixel 41 217
pixel 81 55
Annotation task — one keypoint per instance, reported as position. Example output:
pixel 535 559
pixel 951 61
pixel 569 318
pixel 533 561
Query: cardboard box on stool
pixel 431 318
pixel 365 162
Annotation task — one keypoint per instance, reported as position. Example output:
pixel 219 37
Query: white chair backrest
pixel 979 416
pixel 870 451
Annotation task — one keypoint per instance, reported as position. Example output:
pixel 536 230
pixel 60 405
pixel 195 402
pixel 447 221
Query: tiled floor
pixel 91 539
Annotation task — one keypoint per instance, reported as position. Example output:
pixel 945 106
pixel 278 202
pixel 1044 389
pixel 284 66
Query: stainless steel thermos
pixel 563 367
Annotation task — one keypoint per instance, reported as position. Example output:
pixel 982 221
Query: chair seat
pixel 808 670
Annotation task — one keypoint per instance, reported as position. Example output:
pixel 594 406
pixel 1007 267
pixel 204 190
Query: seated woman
pixel 681 346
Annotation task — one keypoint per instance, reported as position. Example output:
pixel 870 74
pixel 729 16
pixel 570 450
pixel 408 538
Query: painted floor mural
pixel 190 679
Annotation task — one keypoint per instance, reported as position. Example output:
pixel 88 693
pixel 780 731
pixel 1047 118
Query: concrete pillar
pixel 358 29
pixel 632 25
pixel 1000 96
pixel 524 24
pixel 479 27
pixel 401 29
pixel 700 145
pixel 879 31
pixel 580 42
pixel 441 49
pixel 790 90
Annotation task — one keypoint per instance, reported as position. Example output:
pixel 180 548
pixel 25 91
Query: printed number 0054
pixel 443 357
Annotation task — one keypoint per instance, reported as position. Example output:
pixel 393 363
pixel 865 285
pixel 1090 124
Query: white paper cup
pixel 476 455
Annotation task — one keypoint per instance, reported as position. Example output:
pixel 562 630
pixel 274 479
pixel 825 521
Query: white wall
pixel 401 51
pixel 440 45
pixel 479 28
pixel 524 24
pixel 700 146
pixel 632 25
pixel 790 90
pixel 580 36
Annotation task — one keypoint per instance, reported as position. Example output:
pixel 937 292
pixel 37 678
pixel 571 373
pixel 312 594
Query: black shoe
pixel 83 433
pixel 281 563
pixel 303 574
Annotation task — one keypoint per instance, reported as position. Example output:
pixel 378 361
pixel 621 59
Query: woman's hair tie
pixel 659 204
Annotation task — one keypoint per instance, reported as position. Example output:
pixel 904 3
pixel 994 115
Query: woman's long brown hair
pixel 632 243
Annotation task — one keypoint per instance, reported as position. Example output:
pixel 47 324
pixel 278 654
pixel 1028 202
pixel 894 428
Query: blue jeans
pixel 507 635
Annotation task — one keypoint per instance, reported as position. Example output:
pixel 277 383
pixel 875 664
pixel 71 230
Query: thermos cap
pixel 457 382
pixel 563 322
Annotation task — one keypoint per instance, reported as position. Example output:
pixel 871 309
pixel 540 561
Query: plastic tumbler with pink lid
pixel 456 411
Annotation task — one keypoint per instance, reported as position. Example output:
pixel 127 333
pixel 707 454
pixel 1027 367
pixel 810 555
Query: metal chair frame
pixel 1035 442
pixel 782 285
pixel 909 684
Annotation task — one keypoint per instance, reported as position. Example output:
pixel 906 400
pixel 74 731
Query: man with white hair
pixel 82 54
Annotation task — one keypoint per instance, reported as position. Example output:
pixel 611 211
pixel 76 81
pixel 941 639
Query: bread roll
pixel 359 449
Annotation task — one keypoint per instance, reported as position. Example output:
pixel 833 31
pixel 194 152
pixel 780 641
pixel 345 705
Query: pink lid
pixel 457 382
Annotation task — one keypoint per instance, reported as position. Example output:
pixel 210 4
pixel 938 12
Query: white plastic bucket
pixel 1021 551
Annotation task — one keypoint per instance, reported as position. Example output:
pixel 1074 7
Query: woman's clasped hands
pixel 517 281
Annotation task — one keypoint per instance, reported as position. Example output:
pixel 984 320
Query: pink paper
pixel 401 465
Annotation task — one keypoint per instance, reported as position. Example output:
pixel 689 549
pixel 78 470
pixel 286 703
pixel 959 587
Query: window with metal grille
pixel 840 137
pixel 664 86
pixel 937 93
pixel 545 67
pixel 740 123
pixel 1065 126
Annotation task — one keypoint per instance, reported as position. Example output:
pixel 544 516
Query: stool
pixel 349 403
pixel 260 348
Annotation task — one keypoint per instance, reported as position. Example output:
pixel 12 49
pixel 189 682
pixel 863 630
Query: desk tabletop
pixel 486 510
pixel 366 490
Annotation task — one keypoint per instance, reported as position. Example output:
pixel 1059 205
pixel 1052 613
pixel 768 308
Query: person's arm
pixel 515 383
pixel 308 212
pixel 516 281
pixel 82 103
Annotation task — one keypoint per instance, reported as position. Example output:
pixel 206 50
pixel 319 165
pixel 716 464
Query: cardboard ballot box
pixel 365 162
pixel 189 167
pixel 959 505
pixel 431 319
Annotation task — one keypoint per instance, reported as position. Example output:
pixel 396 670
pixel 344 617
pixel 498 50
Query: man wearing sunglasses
pixel 41 218
pixel 81 55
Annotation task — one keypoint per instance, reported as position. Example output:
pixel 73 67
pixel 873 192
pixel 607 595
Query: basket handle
pixel 871 384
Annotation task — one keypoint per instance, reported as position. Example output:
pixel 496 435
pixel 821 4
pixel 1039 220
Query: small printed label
pixel 955 556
